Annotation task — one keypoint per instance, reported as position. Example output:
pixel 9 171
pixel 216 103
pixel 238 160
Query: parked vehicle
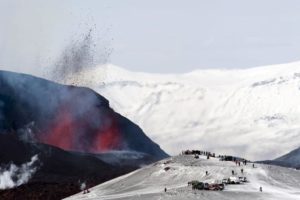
pixel 196 185
pixel 233 180
pixel 194 182
pixel 199 186
pixel 243 179
pixel 206 186
pixel 216 186
pixel 225 181
pixel 222 186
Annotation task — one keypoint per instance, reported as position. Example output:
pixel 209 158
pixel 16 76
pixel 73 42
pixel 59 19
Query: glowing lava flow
pixel 61 133
pixel 109 139
pixel 77 134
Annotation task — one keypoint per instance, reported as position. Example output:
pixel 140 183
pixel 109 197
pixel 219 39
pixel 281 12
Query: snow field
pixel 150 181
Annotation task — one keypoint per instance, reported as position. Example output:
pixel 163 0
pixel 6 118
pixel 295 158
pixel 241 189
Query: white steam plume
pixel 14 176
pixel 83 186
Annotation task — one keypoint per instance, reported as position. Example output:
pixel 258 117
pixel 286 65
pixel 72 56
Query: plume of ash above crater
pixel 13 176
pixel 86 52
pixel 68 117
pixel 62 120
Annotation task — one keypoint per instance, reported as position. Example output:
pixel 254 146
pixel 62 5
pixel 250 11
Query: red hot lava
pixel 77 134
pixel 108 139
pixel 61 133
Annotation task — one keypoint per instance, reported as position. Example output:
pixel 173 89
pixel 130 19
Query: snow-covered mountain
pixel 254 113
pixel 174 173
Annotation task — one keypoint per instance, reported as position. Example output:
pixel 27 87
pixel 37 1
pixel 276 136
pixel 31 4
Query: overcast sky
pixel 155 36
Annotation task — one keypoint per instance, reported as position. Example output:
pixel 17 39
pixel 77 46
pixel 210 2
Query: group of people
pixel 238 162
pixel 198 152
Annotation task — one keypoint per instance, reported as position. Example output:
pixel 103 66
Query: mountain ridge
pixel 290 159
pixel 240 111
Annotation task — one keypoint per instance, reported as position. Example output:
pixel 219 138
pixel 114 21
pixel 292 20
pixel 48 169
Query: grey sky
pixel 155 36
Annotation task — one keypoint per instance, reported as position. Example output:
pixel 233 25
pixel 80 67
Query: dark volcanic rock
pixel 72 118
pixel 59 172
pixel 53 161
pixel 38 191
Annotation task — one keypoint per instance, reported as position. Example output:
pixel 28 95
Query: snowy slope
pixel 148 183
pixel 254 113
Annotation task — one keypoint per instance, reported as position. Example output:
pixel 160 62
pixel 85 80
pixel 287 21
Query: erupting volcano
pixel 68 117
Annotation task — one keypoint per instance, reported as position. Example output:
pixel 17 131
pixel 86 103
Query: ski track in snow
pixel 278 183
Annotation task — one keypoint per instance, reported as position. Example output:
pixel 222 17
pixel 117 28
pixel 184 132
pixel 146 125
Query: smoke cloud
pixel 14 176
